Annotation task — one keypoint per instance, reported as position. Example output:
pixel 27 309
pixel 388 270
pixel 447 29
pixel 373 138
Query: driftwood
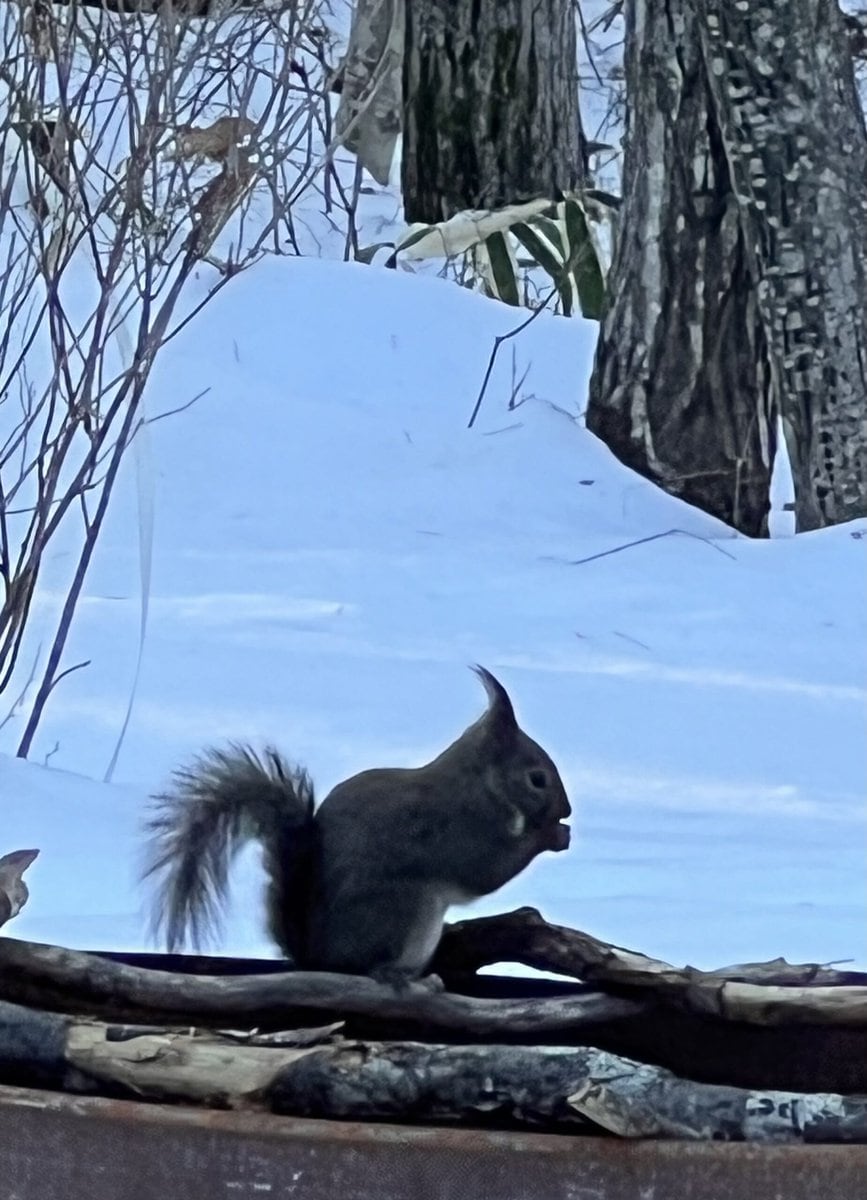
pixel 49 977
pixel 769 993
pixel 561 1088
pixel 798 1030
pixel 776 993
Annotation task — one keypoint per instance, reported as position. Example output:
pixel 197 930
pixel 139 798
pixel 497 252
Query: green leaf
pixel 366 254
pixel 414 237
pixel 551 231
pixel 583 262
pixel 539 248
pixel 503 277
pixel 540 243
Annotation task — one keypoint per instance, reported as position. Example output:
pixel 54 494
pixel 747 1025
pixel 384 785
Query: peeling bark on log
pixel 558 1087
pixel 738 290
pixel 578 1090
pixel 490 92
pixel 177 1066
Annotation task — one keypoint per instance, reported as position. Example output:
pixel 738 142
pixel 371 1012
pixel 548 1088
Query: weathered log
pixel 693 1030
pixel 560 1087
pixel 49 976
pixel 769 993
pixel 801 1058
pixel 563 1088
pixel 60 980
pixel 763 1005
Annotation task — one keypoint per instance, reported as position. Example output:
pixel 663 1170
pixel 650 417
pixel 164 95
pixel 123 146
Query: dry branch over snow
pixel 146 160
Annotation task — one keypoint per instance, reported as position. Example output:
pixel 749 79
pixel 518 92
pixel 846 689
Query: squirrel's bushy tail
pixel 224 799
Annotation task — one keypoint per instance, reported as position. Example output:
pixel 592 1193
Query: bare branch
pixel 134 146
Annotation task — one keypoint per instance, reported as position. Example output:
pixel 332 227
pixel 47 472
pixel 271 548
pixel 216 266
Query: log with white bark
pixel 559 1087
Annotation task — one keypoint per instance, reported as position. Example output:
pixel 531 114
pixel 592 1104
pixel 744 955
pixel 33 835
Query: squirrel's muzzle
pixel 559 836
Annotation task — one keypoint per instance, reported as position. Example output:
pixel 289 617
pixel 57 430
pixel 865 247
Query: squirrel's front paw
pixel 405 981
pixel 431 983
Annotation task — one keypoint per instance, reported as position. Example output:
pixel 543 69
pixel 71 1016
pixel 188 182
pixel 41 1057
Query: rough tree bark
pixel 368 117
pixel 738 286
pixel 490 115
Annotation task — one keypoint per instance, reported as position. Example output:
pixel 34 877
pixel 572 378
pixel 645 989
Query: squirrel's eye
pixel 537 778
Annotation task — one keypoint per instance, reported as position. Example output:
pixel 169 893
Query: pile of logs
pixel 637 1048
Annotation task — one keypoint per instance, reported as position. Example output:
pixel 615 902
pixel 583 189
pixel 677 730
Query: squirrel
pixel 361 884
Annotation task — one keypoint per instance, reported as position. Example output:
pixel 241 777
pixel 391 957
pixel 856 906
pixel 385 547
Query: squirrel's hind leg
pixel 389 932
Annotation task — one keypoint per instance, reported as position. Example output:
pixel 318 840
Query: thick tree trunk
pixel 738 287
pixel 490 105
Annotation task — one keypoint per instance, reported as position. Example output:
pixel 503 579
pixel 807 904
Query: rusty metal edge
pixel 55 1146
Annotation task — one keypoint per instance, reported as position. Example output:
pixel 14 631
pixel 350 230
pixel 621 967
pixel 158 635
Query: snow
pixel 333 546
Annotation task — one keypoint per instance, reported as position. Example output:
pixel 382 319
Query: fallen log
pixel 795 1028
pixel 578 1090
pixel 768 993
pixel 70 981
pixel 775 993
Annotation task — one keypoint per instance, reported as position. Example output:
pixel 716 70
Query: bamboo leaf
pixel 503 270
pixel 366 254
pixel 464 230
pixel 539 243
pixel 551 231
pixel 584 269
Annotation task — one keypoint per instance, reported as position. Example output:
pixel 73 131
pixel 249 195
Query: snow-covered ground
pixel 333 546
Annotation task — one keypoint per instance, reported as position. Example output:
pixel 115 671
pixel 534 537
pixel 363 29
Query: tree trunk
pixel 368 116
pixel 738 285
pixel 490 105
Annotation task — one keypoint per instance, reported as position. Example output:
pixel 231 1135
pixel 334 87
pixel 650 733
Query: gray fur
pixel 362 884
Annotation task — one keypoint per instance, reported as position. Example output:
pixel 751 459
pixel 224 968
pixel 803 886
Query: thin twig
pixel 499 340
pixel 577 562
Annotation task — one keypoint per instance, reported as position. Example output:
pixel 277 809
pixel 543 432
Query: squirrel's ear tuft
pixel 500 719
pixel 18 861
